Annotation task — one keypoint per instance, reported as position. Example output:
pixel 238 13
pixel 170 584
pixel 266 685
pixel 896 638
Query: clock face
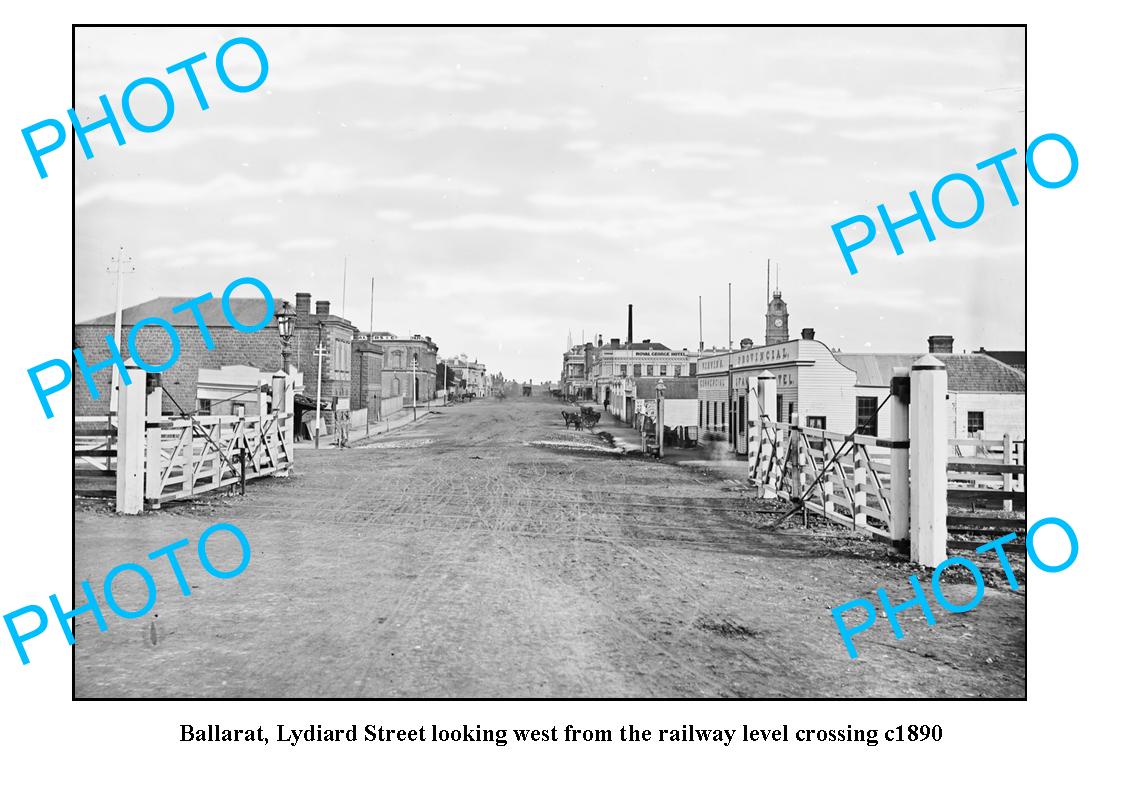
pixel 778 323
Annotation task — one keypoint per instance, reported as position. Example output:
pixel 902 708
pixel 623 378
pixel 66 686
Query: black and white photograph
pixel 550 362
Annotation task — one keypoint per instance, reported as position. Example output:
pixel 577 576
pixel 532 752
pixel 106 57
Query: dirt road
pixel 462 557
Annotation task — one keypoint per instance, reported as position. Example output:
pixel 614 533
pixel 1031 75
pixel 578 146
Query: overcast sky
pixel 507 186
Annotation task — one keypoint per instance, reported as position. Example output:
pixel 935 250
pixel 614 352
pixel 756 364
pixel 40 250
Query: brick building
pixel 337 334
pixel 260 349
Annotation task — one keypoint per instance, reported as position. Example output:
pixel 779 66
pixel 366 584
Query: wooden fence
pixel 986 491
pixel 95 456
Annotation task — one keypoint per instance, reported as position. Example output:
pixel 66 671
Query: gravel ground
pixel 488 552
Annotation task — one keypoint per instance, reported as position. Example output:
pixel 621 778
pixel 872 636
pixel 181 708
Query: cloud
pixel 816 102
pixel 308 244
pixel 434 183
pixel 307 179
pixel 573 119
pixel 208 252
pixel 393 216
pixel 674 155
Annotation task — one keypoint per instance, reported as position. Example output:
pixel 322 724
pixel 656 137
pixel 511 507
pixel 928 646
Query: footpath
pixel 403 417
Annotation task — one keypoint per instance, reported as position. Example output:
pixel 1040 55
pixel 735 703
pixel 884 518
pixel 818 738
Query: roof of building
pixel 966 372
pixel 247 311
pixel 1015 359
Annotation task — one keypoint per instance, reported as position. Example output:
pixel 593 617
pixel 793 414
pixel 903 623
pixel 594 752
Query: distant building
pixel 577 365
pixel 472 373
pixel 399 376
pixel 260 350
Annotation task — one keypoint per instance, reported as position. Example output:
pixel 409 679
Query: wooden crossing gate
pixel 843 477
pixel 152 458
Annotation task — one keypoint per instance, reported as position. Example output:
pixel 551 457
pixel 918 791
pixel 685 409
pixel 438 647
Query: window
pixel 205 406
pixel 623 370
pixel 650 370
pixel 637 370
pixel 707 414
pixel 693 368
pixel 678 370
pixel 662 370
pixel 723 415
pixel 816 421
pixel 974 422
pixel 867 416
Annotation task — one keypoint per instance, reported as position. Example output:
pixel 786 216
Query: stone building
pixel 398 373
pixel 260 349
pixel 366 375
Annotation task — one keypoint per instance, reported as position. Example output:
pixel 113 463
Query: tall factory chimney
pixel 629 324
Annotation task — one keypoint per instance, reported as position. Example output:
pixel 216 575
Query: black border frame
pixel 1025 201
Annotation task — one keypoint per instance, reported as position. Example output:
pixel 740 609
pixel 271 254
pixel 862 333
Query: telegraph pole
pixel 320 354
pixel 119 262
pixel 414 363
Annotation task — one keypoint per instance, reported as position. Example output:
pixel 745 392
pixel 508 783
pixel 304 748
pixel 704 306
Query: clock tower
pixel 776 320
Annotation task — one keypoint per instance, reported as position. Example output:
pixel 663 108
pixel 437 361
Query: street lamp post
pixel 660 388
pixel 286 321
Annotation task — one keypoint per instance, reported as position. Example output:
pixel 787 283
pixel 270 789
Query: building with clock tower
pixel 776 320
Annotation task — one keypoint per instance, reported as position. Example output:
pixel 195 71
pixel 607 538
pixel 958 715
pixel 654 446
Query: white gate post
pixel 752 418
pixel 131 408
pixel 154 406
pixel 929 458
pixel 766 383
pixel 899 502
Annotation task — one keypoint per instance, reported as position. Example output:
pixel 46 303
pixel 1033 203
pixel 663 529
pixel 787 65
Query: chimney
pixel 941 344
pixel 647 340
pixel 303 303
pixel 323 308
pixel 746 342
pixel 629 324
pixel 808 333
pixel 600 341
pixel 614 342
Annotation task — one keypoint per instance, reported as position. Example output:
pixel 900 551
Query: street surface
pixel 487 552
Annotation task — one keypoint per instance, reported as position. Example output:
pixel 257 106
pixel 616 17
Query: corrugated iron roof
pixel 247 311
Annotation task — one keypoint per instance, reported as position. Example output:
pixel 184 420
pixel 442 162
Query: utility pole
pixel 729 376
pixel 119 262
pixel 370 329
pixel 701 341
pixel 343 305
pixel 320 354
